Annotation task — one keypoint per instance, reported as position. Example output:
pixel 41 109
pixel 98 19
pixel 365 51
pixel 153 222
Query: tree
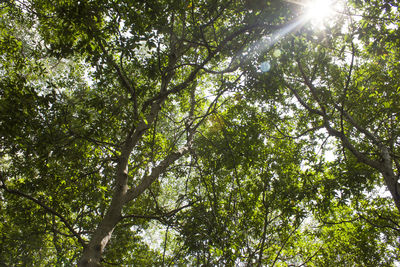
pixel 119 115
pixel 148 61
pixel 352 92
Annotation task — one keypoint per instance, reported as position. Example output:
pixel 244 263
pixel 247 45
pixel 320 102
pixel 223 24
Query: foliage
pixel 146 133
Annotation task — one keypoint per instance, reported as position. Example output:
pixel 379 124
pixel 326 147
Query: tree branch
pixel 124 80
pixel 302 102
pixel 157 216
pixel 45 207
pixel 310 86
pixel 155 173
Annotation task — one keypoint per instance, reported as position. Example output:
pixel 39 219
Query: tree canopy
pixel 199 133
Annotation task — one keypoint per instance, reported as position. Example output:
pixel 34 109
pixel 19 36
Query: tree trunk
pixel 92 253
pixel 393 186
pixel 391 179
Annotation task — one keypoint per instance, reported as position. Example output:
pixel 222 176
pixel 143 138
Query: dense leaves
pixel 209 133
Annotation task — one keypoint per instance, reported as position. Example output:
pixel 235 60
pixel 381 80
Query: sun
pixel 317 11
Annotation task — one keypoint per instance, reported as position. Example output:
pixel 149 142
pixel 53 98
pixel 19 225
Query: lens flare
pixel 265 66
